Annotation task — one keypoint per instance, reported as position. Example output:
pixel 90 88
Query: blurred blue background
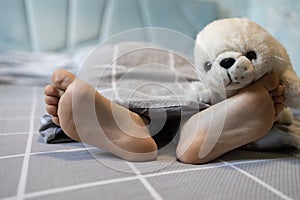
pixel 66 25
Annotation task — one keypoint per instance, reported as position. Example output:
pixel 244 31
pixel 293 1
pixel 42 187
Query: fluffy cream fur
pixel 232 53
pixel 239 38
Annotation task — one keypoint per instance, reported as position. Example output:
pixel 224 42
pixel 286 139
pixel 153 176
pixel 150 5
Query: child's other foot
pixel 87 116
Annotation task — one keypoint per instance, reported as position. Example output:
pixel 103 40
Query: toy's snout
pixel 241 71
pixel 239 68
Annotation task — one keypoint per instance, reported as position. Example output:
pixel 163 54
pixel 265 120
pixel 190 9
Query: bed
pixel 31 168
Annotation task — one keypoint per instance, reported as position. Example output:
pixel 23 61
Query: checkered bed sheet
pixel 31 169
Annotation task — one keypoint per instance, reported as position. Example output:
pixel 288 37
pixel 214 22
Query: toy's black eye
pixel 251 55
pixel 207 66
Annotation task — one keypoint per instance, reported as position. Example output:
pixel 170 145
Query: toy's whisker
pixel 280 58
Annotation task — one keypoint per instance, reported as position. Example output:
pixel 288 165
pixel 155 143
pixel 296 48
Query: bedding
pixel 141 79
pixel 26 68
pixel 155 83
pixel 32 169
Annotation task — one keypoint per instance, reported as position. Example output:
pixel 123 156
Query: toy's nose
pixel 227 62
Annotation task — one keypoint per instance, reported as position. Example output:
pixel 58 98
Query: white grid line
pixel 14 107
pixel 82 186
pixel 91 148
pixel 146 184
pixel 11 156
pixel 262 183
pixel 9 198
pixel 111 181
pixel 184 170
pixel 118 180
pixel 25 165
pixel 16 118
pixel 49 152
pixel 14 133
pixel 76 187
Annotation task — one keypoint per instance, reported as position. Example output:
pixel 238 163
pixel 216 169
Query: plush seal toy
pixel 232 53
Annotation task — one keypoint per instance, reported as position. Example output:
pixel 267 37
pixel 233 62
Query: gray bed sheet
pixel 156 83
pixel 32 169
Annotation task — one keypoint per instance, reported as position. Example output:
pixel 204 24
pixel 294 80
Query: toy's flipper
pixel 292 90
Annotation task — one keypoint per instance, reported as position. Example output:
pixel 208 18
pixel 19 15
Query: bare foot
pixel 242 119
pixel 87 116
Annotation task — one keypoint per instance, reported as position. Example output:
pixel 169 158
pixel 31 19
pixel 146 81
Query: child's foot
pixel 87 116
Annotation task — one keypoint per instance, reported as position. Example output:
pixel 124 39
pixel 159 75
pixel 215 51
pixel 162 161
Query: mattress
pixel 32 169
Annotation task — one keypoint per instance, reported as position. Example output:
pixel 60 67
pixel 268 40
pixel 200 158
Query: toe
pixel 270 81
pixel 51 91
pixel 62 79
pixel 55 120
pixel 51 100
pixel 278 107
pixel 51 110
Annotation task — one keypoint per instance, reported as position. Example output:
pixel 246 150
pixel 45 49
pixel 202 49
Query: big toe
pixel 61 79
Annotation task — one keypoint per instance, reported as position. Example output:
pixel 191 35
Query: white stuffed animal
pixel 232 53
